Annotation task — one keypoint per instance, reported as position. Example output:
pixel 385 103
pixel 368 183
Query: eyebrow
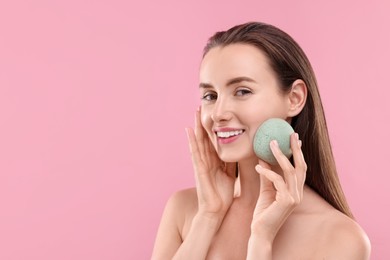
pixel 230 82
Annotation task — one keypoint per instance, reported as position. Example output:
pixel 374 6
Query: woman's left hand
pixel 278 196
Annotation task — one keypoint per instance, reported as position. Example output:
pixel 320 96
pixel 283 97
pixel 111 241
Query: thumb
pixel 264 164
pixel 265 183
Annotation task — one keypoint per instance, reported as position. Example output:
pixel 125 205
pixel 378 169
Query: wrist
pixel 263 232
pixel 210 221
pixel 263 240
pixel 259 247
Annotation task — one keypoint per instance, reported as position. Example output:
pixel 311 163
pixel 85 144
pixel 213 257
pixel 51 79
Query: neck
pixel 248 181
pixel 248 186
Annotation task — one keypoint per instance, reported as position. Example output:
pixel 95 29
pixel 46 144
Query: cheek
pixel 205 119
pixel 257 113
pixel 207 124
pixel 266 106
pixel 254 125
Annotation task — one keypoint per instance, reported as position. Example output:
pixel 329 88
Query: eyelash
pixel 246 92
pixel 206 96
pixel 211 96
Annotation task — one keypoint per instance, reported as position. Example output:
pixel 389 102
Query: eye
pixel 243 92
pixel 209 96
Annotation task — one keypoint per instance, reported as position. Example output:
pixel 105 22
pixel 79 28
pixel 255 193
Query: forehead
pixel 235 60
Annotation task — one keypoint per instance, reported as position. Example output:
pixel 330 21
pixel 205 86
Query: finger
pixel 283 201
pixel 286 166
pixel 264 164
pixel 205 135
pixel 273 178
pixel 282 160
pixel 199 135
pixel 299 161
pixel 265 184
pixel 212 156
pixel 201 176
pixel 193 144
pixel 196 157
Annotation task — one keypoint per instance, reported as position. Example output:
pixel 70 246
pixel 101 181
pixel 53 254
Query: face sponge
pixel 272 129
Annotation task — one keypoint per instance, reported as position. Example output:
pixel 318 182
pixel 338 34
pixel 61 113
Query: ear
pixel 297 97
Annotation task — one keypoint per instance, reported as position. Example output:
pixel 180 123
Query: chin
pixel 227 157
pixel 229 160
pixel 234 157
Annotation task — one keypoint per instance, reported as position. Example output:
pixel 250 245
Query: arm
pixel 169 243
pixel 168 237
pixel 214 190
pixel 278 197
pixel 198 240
pixel 259 248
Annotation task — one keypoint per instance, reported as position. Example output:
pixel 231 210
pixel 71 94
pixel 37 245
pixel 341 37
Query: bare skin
pixel 319 232
pixel 268 212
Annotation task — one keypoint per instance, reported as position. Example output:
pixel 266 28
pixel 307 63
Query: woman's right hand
pixel 214 178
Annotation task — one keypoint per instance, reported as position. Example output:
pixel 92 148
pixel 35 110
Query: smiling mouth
pixel 229 134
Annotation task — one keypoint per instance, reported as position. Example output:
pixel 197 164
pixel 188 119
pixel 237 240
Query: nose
pixel 221 111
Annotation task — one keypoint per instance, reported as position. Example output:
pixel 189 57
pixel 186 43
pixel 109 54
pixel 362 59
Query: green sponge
pixel 272 129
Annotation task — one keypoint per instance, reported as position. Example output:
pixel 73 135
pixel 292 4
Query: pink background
pixel 95 96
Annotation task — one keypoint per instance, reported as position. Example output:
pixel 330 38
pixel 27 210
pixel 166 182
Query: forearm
pixel 197 243
pixel 259 248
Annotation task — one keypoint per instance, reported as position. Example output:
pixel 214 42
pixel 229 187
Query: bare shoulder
pixel 345 238
pixel 184 200
pixel 183 205
pixel 178 210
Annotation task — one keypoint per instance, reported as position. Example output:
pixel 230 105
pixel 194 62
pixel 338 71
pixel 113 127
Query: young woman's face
pixel 239 91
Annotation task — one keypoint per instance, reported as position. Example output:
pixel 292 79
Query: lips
pixel 228 135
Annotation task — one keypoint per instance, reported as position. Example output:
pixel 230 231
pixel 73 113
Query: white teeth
pixel 229 134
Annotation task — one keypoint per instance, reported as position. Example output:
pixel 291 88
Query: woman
pixel 242 207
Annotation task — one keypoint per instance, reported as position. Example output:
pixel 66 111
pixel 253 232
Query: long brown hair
pixel 290 63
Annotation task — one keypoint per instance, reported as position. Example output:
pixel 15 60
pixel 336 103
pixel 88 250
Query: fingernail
pixel 275 143
pixel 297 136
pixel 300 143
pixel 258 167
